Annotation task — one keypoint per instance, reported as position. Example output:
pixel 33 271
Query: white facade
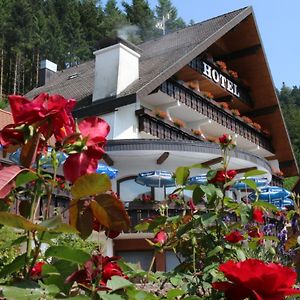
pixel 116 68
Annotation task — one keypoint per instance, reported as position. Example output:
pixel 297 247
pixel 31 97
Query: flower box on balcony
pixel 235 112
pixel 178 123
pixel 256 126
pixel 233 74
pixel 207 95
pixel 161 114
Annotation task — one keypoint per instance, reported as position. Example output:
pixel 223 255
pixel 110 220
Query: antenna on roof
pixel 161 24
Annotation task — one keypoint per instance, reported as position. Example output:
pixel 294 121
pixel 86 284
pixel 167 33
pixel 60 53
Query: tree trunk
pixel 1 74
pixel 37 68
pixel 15 76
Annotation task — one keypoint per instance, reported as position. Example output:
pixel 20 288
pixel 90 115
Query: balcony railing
pixel 163 129
pixel 139 212
pixel 205 107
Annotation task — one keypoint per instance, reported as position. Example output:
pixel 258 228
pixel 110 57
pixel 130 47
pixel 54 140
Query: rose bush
pixel 212 235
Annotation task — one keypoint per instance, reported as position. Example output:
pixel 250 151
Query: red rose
pixel 255 233
pixel 258 215
pixel 256 280
pixel 222 176
pixel 225 139
pixel 36 271
pixel 54 113
pixel 11 135
pixel 110 269
pixel 97 266
pixel 234 237
pixel 160 238
pixel 95 131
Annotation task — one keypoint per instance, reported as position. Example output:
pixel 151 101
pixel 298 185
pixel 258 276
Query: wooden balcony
pixel 206 107
pixel 163 129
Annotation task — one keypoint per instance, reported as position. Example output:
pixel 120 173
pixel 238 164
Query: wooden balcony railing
pixel 163 129
pixel 277 180
pixel 207 108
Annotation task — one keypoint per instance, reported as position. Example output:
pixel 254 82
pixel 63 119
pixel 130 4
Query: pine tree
pixel 113 19
pixel 140 14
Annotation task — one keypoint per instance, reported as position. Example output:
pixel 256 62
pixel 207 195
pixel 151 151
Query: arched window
pixel 129 190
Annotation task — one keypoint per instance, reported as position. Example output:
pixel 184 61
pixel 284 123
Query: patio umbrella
pixel 45 160
pixel 200 179
pixel 260 182
pixel 156 178
pixel 278 196
pixel 109 171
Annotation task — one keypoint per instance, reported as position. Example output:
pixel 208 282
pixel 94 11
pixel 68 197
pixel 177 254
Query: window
pixel 128 189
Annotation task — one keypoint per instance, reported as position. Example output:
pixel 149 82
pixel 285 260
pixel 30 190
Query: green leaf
pixel 56 274
pixel 208 219
pixel 254 173
pixel 172 294
pixel 90 184
pixel 182 174
pixel 186 227
pixel 55 224
pixel 266 205
pixel 211 174
pixel 15 242
pixel 25 177
pixel 142 226
pixel 19 222
pixel 67 253
pixel 197 195
pixel 157 222
pixel 216 250
pixel 176 280
pixel 240 254
pixel 250 183
pixel 18 263
pixel 34 293
pixel 117 283
pixel 106 296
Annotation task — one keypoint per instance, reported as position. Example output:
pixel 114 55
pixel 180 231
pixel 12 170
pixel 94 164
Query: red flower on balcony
pixel 256 280
pixel 234 237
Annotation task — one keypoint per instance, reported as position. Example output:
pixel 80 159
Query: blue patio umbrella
pixel 45 160
pixel 275 195
pixel 109 171
pixel 260 182
pixel 156 178
pixel 199 179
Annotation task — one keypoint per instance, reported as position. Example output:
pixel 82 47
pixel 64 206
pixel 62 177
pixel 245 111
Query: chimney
pixel 47 69
pixel 116 67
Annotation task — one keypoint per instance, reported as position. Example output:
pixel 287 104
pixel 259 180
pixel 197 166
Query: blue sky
pixel 278 22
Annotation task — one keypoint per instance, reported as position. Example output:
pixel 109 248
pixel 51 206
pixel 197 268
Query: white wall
pixel 116 67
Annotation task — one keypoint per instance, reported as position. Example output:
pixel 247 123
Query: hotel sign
pixel 220 78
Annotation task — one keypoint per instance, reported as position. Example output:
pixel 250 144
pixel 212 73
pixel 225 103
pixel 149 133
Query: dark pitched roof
pixel 160 59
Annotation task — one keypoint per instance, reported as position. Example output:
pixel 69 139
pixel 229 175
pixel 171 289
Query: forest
pixel 67 32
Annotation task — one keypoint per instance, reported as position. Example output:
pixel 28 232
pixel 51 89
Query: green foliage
pixel 9 250
pixel 67 32
pixel 75 242
pixel 290 104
